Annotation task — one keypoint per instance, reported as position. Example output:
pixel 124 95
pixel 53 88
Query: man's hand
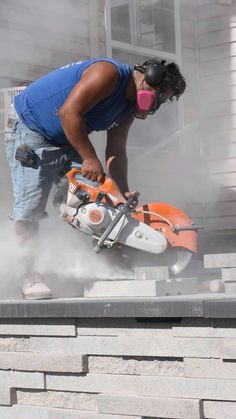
pixel 92 169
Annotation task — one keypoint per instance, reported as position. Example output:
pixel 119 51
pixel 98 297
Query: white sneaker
pixel 33 288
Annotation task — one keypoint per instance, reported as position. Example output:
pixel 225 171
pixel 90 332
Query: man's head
pixel 156 83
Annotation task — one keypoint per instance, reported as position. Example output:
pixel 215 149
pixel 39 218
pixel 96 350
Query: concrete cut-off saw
pixel 154 234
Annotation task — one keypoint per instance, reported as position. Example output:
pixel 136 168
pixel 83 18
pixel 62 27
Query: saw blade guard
pixel 176 227
pixel 173 223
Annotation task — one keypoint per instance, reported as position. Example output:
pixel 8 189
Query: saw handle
pixel 108 186
pixel 106 182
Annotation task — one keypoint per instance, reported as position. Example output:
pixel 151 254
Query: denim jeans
pixel 31 186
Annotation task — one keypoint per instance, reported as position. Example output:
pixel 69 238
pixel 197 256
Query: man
pixel 53 120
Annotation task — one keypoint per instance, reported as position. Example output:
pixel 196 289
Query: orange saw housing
pixel 164 218
pixel 160 216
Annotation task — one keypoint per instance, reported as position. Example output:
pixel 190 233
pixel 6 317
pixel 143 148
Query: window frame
pixel 112 44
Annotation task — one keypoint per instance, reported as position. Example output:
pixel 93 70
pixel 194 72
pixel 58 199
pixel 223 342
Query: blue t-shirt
pixel 38 105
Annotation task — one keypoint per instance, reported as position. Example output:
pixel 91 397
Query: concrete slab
pixel 156 273
pixel 220 260
pixel 142 288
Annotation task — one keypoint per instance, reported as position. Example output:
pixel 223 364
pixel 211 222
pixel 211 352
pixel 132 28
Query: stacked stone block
pixel 227 263
pixel 117 369
pixel 147 282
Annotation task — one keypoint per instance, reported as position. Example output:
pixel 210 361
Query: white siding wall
pixel 216 38
pixel 38 36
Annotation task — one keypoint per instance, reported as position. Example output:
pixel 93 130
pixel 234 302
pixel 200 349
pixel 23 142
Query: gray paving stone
pixel 59 399
pixel 228 348
pixel 228 274
pixel 131 346
pixel 230 287
pixel 181 387
pixel 178 286
pixel 156 273
pixel 219 410
pixel 141 288
pixel 7 412
pixel 216 286
pixel 229 279
pixel 220 260
pixel 204 328
pixel 120 365
pixel 149 406
pixel 130 327
pixel 209 368
pixel 37 327
pixel 5 394
pixel 13 379
pixel 35 412
pixel 29 361
pixel 14 344
pixel 23 379
pixel 130 288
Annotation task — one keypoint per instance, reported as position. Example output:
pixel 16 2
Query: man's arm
pixel 116 158
pixel 97 82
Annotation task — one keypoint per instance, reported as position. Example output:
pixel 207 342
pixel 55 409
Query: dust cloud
pixel 183 166
pixel 63 256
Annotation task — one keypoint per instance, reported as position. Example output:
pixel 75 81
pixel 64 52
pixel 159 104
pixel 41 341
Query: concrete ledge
pixel 201 305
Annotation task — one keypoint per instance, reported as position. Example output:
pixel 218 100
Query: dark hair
pixel 173 80
pixel 166 76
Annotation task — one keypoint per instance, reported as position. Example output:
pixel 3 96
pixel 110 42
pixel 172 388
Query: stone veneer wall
pixel 117 368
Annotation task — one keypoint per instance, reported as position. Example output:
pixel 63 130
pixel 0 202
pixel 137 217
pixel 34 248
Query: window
pixel 139 29
pixel 146 24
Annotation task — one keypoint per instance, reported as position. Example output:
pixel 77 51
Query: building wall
pixel 194 168
pixel 216 38
pixel 35 38
pixel 121 368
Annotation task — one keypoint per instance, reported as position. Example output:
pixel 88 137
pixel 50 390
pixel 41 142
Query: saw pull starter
pixel 151 230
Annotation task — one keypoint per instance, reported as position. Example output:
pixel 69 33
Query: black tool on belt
pixel 26 156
